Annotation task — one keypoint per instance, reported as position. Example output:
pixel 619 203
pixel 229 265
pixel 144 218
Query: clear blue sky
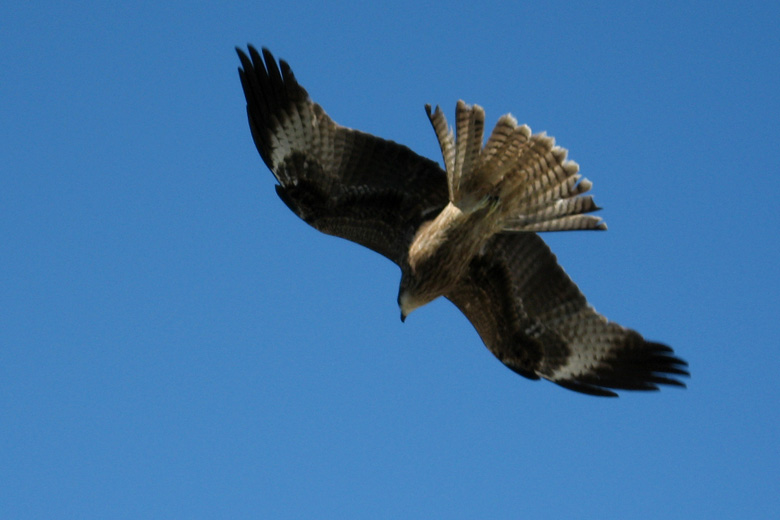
pixel 175 343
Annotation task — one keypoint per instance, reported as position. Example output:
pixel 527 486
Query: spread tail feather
pixel 536 187
pixel 461 152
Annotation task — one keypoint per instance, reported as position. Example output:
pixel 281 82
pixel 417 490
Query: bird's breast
pixel 443 247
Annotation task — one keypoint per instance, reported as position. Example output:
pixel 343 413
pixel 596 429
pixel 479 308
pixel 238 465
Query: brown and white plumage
pixel 466 232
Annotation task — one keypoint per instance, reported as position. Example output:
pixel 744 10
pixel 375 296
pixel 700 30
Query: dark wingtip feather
pixel 636 365
pixel 586 389
pixel 271 92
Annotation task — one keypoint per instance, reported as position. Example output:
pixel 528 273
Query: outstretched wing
pixel 536 321
pixel 341 181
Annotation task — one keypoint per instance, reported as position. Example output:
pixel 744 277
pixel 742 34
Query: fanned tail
pixel 535 186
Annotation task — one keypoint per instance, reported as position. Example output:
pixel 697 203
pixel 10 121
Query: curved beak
pixel 403 317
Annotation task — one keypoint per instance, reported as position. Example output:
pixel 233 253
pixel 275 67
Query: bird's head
pixel 408 300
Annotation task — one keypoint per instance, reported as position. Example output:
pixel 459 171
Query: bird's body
pixel 441 252
pixel 467 233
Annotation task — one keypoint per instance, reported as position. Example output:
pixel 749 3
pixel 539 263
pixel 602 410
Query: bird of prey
pixel 467 232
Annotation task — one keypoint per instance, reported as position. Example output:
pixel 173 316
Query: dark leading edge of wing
pixel 341 181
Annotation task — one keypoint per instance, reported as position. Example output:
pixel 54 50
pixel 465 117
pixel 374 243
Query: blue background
pixel 175 343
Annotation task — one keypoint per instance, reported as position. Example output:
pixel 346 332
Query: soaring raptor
pixel 468 232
